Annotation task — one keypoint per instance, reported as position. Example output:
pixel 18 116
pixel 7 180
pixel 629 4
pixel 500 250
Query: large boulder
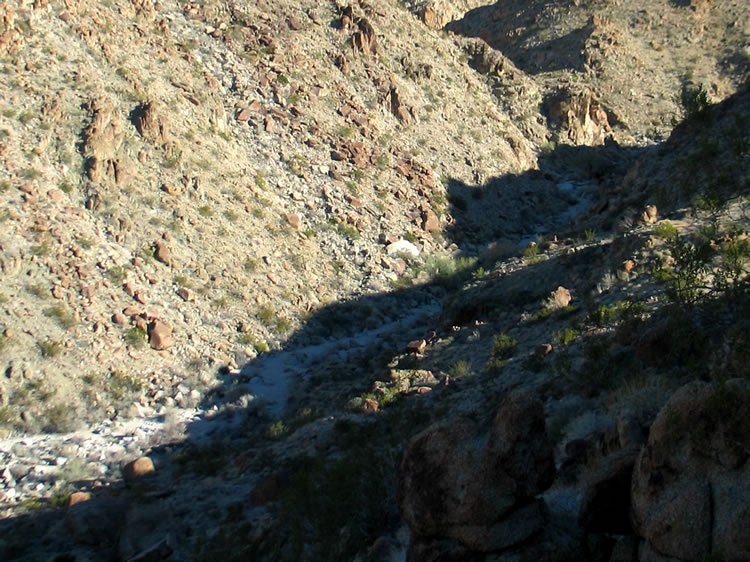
pixel 690 480
pixel 479 488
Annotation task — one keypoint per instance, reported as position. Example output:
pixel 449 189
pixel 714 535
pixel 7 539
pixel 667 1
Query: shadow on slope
pixel 338 354
pixel 517 30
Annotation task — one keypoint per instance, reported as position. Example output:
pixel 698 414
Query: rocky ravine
pixel 272 272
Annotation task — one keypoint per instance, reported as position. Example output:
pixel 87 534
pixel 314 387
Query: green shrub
pixel 136 337
pixel 58 313
pixel 116 274
pixel 665 230
pixel 565 336
pixel 49 348
pixel 41 250
pixel 695 100
pixel 349 231
pixel 503 346
pixel 461 369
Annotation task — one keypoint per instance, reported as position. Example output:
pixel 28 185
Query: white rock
pixel 402 246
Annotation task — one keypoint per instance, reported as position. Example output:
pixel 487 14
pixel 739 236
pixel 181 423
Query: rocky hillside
pixel 299 281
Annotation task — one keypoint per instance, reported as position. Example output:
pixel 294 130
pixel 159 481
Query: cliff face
pixel 263 245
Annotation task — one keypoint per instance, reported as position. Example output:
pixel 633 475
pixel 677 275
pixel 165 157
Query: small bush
pixel 665 230
pixel 695 100
pixel 41 250
pixel 49 348
pixel 503 346
pixel 116 274
pixel 266 314
pixel 120 384
pixel 461 369
pixel 349 231
pixel 40 291
pixel 58 313
pixel 136 337
pixel 566 336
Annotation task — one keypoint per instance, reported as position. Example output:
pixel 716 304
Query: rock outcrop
pixel 479 489
pixel 689 482
pixel 579 116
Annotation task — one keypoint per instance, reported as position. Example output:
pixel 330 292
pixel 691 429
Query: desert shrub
pixel 695 100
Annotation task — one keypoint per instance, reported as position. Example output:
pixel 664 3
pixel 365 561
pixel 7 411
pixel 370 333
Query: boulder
pixel 689 481
pixel 478 488
pixel 160 335
pixel 138 468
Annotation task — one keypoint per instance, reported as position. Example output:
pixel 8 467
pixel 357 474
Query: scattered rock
pixel 78 497
pixel 160 335
pixel 163 253
pixel 294 220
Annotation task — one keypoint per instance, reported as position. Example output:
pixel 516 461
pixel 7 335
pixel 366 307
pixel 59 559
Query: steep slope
pixel 266 244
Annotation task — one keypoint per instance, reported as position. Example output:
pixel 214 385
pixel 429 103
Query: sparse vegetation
pixel 116 274
pixel 136 337
pixel 61 315
pixel 49 348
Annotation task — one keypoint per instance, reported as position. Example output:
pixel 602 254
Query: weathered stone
pixel 477 489
pixel 294 220
pixel 160 335
pixel 399 266
pixel 151 125
pixel 686 479
pixel 172 189
pixel 402 246
pixel 430 221
pixel 186 294
pixel 519 525
pixel 102 140
pixel 163 253
pixel 78 497
pixel 138 468
pixel 417 346
pixel 580 116
pixel 560 298
pixel 119 319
